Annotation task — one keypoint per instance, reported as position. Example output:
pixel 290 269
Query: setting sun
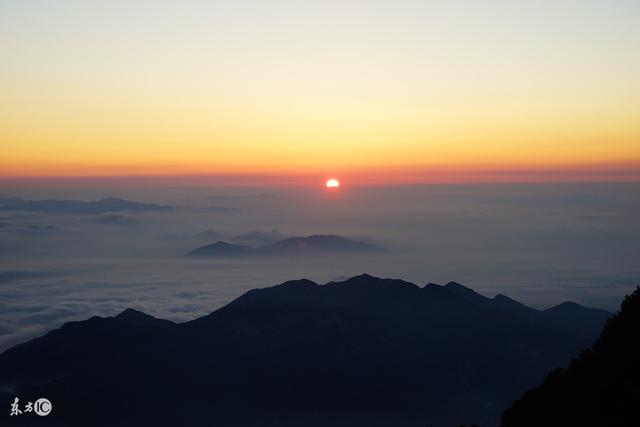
pixel 333 183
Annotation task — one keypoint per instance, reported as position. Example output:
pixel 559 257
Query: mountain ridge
pixel 315 243
pixel 297 353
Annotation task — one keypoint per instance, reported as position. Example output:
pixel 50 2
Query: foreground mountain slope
pixel 599 388
pixel 365 351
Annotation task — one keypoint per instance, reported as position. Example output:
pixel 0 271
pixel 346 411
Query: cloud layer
pixel 541 244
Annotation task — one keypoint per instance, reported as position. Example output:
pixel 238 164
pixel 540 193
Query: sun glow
pixel 333 183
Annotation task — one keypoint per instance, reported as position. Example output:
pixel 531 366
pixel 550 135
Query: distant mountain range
pixel 599 388
pixel 361 352
pixel 317 243
pixel 77 206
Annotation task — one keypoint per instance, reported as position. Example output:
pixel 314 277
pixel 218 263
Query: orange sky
pixel 393 92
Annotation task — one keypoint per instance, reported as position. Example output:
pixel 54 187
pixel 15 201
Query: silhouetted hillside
pixel 362 352
pixel 568 316
pixel 599 388
pixel 317 243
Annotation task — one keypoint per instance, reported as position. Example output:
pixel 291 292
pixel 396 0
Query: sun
pixel 332 183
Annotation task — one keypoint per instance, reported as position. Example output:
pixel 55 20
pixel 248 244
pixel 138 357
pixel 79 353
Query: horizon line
pixel 357 179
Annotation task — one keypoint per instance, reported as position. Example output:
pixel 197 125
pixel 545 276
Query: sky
pixel 376 91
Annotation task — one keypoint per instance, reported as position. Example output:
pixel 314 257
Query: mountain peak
pixel 566 305
pixel 465 292
pixel 573 308
pixel 132 314
pixel 369 280
pixel 299 282
pixel 456 285
pixel 364 276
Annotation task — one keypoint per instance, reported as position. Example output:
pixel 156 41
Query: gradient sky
pixel 408 89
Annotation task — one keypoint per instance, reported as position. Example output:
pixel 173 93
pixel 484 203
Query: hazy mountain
pixel 599 388
pixel 222 250
pixel 361 352
pixel 76 206
pixel 317 243
pixel 261 236
pixel 28 229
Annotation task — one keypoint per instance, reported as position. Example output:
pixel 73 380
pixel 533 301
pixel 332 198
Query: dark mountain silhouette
pixel 361 352
pixel 576 318
pixel 599 388
pixel 317 243
pixel 568 316
pixel 76 206
pixel 499 302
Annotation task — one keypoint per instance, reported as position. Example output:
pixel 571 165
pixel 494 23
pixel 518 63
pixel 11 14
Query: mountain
pixel 576 318
pixel 361 352
pixel 599 388
pixel 76 206
pixel 261 236
pixel 317 243
pixel 568 316
pixel 221 250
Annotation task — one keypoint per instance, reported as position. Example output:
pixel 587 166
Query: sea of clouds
pixel 541 244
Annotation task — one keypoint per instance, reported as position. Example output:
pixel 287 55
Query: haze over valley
pixel 541 244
